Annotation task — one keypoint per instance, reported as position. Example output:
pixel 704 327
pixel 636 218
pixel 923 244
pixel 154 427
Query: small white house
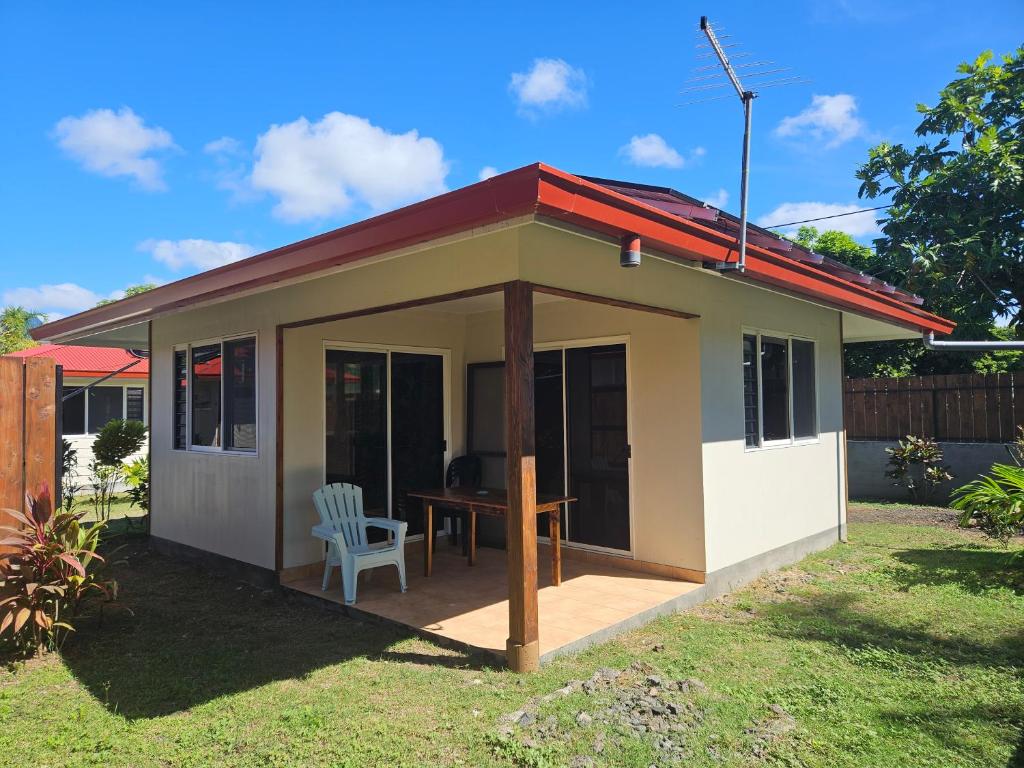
pixel 124 395
pixel 692 410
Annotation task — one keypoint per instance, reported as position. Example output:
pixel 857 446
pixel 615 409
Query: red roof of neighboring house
pixel 90 361
pixel 666 221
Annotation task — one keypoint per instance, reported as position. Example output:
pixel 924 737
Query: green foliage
pixel 118 440
pixel 916 464
pixel 47 574
pixel 69 487
pixel 131 290
pixel 995 502
pixel 955 232
pixel 839 246
pixel 136 475
pixel 15 323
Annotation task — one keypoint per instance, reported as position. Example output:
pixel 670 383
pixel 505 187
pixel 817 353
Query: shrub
pixel 916 464
pixel 995 502
pixel 48 574
pixel 118 440
pixel 136 475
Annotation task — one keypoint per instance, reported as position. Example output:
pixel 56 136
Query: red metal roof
pixel 89 361
pixel 665 220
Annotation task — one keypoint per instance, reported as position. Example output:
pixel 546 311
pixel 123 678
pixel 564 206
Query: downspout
pixel 968 346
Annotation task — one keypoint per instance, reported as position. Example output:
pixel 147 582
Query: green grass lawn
pixel 903 648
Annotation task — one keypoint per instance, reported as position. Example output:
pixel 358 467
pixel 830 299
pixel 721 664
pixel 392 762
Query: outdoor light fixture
pixel 629 256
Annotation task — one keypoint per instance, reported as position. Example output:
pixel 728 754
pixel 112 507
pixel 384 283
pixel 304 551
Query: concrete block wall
pixel 868 460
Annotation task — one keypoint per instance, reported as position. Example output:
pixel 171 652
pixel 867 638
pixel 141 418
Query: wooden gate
pixel 29 430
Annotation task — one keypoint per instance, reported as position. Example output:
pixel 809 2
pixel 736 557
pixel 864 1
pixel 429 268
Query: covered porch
pixel 468 607
pixel 499 367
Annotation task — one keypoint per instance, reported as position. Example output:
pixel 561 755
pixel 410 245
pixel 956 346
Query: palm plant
pixel 995 502
pixel 15 324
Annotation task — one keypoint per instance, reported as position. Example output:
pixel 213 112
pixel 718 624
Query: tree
pixel 15 323
pixel 839 246
pixel 955 231
pixel 131 290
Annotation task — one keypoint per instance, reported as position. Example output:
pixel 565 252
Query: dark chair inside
pixel 463 472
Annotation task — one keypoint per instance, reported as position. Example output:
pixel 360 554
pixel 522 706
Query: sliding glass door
pixel 417 431
pixel 581 429
pixel 598 446
pixel 385 426
pixel 356 449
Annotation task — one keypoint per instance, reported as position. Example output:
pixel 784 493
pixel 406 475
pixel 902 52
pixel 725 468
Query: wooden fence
pixel 962 408
pixel 29 430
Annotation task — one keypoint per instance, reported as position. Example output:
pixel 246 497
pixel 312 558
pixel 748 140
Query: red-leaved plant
pixel 46 575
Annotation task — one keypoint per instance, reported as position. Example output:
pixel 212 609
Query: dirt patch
pixel 903 515
pixel 908 514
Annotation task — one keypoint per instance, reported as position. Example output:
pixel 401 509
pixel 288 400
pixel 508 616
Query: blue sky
pixel 148 141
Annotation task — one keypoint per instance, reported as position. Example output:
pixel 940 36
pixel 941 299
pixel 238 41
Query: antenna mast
pixel 747 98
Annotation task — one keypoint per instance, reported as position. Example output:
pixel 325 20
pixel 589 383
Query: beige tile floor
pixel 469 605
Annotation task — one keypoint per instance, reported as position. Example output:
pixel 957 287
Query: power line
pixel 833 216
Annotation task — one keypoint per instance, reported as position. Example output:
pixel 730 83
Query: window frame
pixel 189 390
pixel 792 440
pixel 124 386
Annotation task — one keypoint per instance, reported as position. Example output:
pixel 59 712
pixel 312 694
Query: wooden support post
pixel 522 646
pixel 40 426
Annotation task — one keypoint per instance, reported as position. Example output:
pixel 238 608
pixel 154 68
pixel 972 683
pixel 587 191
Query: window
pixel 751 400
pixel 73 417
pixel 87 412
pixel 134 404
pixel 805 421
pixel 215 396
pixel 180 398
pixel 240 394
pixel 206 369
pixel 774 389
pixel 779 399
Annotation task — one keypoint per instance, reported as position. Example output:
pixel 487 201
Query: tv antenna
pixel 708 78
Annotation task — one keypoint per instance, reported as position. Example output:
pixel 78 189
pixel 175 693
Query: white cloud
pixel 652 151
pixel 856 225
pixel 321 169
pixel 550 84
pixel 200 254
pixel 53 300
pixel 829 118
pixel 115 144
pixel 718 199
pixel 225 145
pixel 487 172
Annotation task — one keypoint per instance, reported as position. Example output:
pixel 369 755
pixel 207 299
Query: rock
pixel 599 743
pixel 581 761
pixel 526 719
pixel 583 719
pixel 658 647
pixel 692 684
pixel 609 674
pixel 654 681
pixel 778 709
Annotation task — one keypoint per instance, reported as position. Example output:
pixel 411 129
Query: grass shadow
pixel 973 568
pixel 835 618
pixel 179 637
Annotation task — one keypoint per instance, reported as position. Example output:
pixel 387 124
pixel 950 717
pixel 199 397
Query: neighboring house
pixel 694 411
pixel 83 415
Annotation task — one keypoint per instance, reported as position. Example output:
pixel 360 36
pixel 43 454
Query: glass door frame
pixel 387 350
pixel 601 341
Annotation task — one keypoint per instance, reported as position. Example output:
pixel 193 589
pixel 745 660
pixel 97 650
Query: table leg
pixel 472 537
pixel 555 533
pixel 428 539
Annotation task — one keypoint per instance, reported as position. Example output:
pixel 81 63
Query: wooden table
pixel 488 501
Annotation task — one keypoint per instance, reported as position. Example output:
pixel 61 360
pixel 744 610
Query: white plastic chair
pixel 343 526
